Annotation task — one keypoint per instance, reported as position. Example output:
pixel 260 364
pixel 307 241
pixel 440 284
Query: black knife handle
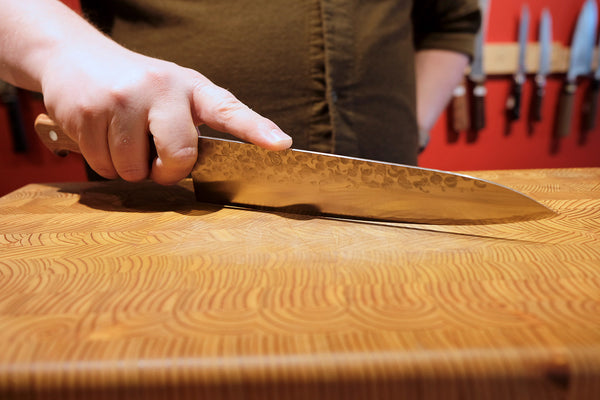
pixel 10 98
pixel 537 100
pixel 590 106
pixel 478 99
pixel 513 103
pixel 564 114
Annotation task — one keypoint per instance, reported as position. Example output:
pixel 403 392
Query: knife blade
pixel 298 181
pixel 580 63
pixel 545 39
pixel 477 73
pixel 590 101
pixel 513 103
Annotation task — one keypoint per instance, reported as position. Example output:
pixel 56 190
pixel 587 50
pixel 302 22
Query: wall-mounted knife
pixel 545 39
pixel 9 95
pixel 580 63
pixel 513 103
pixel 590 101
pixel 477 73
pixel 459 106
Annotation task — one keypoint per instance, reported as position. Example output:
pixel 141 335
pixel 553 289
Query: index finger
pixel 222 111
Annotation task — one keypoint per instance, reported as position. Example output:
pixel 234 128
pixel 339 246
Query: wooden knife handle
pixel 54 137
pixel 459 108
pixel 478 112
pixel 590 107
pixel 564 113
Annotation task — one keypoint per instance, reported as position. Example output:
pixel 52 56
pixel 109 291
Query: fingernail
pixel 279 138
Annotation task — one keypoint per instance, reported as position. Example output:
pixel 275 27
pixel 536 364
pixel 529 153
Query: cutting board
pixel 120 290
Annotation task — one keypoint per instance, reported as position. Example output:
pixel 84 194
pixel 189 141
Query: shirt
pixel 337 75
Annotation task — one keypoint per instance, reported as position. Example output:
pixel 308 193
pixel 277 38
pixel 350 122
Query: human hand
pixel 107 99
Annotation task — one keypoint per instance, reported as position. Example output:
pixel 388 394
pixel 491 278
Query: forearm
pixel 33 32
pixel 438 72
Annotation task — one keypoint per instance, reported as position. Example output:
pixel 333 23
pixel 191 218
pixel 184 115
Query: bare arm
pixel 438 72
pixel 107 98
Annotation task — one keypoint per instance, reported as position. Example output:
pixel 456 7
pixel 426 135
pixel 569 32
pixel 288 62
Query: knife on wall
pixel 513 103
pixel 580 63
pixel 477 73
pixel 590 101
pixel 241 174
pixel 545 39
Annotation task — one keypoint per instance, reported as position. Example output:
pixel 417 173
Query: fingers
pixel 220 110
pixel 176 140
pixel 91 136
pixel 128 145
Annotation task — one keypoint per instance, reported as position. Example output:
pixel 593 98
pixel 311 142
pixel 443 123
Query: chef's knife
pixel 545 39
pixel 590 101
pixel 580 63
pixel 513 103
pixel 242 174
pixel 477 73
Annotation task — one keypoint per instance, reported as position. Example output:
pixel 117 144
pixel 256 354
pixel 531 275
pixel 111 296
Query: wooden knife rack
pixel 502 58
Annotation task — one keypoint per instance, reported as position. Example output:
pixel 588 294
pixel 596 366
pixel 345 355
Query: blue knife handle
pixel 590 106
pixel 564 114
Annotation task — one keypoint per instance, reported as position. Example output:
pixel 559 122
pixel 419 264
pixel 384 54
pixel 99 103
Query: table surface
pixel 117 290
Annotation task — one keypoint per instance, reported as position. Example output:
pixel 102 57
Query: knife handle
pixel 565 110
pixel 54 137
pixel 478 113
pixel 460 118
pixel 590 106
pixel 513 103
pixel 536 102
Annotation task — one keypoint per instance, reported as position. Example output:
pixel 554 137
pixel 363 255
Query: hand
pixel 108 99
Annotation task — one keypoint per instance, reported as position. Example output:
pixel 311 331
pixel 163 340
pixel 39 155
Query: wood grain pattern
pixel 116 290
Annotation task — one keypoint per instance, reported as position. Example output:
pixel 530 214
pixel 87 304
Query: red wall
pixel 492 148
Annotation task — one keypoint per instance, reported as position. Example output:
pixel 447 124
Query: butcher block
pixel 116 290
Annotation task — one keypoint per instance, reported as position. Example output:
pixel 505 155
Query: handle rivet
pixel 53 136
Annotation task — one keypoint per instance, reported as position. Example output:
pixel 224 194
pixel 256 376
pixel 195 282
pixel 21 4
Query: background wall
pixel 498 148
pixel 494 148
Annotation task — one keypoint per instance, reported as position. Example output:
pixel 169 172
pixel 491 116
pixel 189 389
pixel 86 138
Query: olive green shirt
pixel 337 75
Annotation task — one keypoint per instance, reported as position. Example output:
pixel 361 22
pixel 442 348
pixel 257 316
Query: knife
pixel 580 63
pixel 545 38
pixel 477 74
pixel 297 181
pixel 590 101
pixel 513 103
pixel 10 97
pixel 459 108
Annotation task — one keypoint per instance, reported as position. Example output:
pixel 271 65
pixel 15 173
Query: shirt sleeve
pixel 446 25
